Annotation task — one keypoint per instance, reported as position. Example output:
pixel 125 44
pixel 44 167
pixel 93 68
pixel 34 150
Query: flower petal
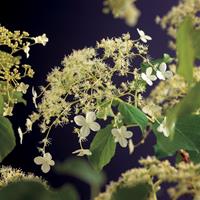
pixel 148 37
pixel 123 142
pixel 80 120
pixel 160 75
pixel 163 67
pixel 51 162
pixel 84 131
pixel 149 71
pixel 90 117
pixel 140 32
pixel 45 168
pixel 128 134
pixel 115 132
pixel 39 160
pixel 47 156
pixel 153 77
pixel 94 126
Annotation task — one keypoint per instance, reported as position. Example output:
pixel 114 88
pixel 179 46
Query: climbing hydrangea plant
pixel 101 91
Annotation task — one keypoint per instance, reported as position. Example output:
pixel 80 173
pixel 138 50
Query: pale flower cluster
pixel 123 9
pixel 176 15
pixel 154 173
pixel 85 82
pixel 12 72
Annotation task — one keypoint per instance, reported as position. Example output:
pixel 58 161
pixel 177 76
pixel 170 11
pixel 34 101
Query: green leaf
pixel 7 137
pixel 32 190
pixel 81 169
pixel 185 49
pixel 189 104
pixel 186 136
pixel 132 115
pixel 196 42
pixel 137 192
pixel 1 105
pixel 105 110
pixel 102 148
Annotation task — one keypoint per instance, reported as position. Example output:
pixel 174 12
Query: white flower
pixel 143 36
pixel 121 135
pixel 29 124
pixel 162 128
pixel 162 74
pixel 27 49
pixel 83 152
pixel 41 39
pixel 46 161
pixel 148 77
pixel 131 146
pixel 34 93
pixel 87 124
pixel 20 134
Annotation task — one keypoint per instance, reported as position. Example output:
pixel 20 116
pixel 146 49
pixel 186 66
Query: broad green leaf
pixel 105 110
pixel 82 170
pixel 1 105
pixel 137 192
pixel 185 49
pixel 132 115
pixel 102 148
pixel 196 42
pixel 186 136
pixel 189 104
pixel 27 190
pixel 7 137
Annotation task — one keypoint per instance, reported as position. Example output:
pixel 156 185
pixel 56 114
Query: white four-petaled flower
pixel 162 74
pixel 41 39
pixel 148 77
pixel 162 128
pixel 143 36
pixel 45 161
pixel 83 152
pixel 121 135
pixel 87 123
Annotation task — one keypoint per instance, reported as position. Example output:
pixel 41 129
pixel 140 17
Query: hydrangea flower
pixel 41 39
pixel 162 74
pixel 45 161
pixel 143 36
pixel 121 135
pixel 148 77
pixel 162 128
pixel 83 152
pixel 87 123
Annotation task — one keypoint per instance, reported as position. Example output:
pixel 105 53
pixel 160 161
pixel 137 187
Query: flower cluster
pixel 86 86
pixel 176 15
pixel 10 175
pixel 154 173
pixel 11 70
pixel 123 9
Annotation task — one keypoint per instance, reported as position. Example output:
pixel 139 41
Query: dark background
pixel 72 25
